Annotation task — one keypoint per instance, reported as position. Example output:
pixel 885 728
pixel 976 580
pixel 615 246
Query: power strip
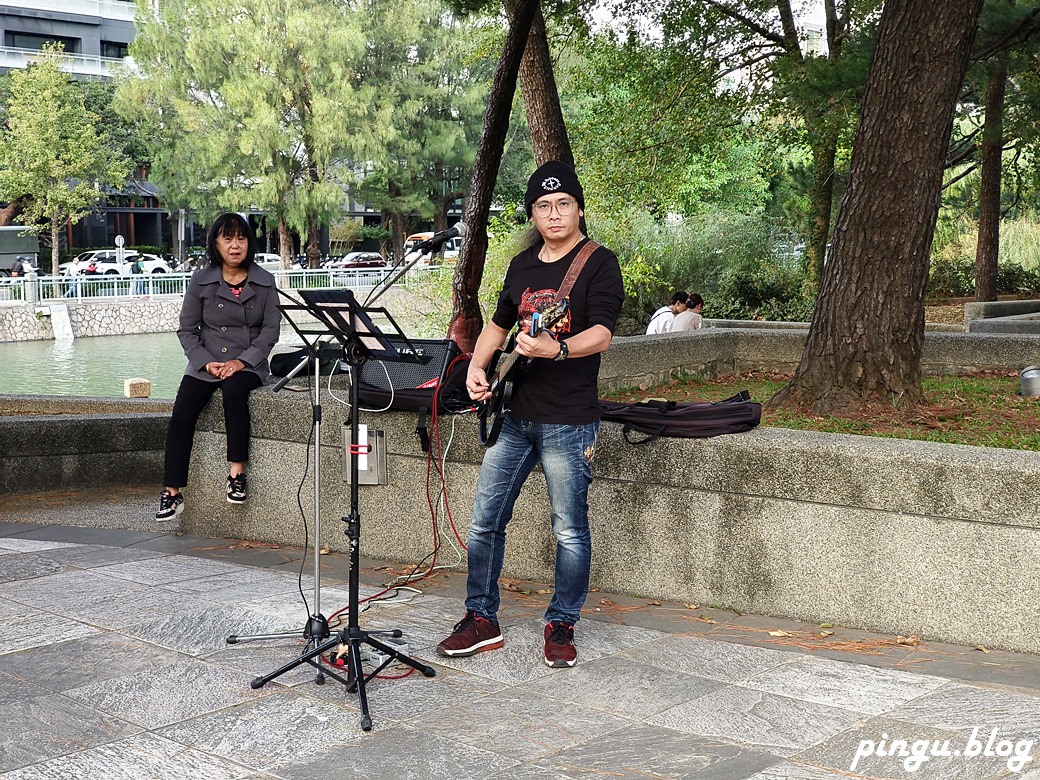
pixel 376 657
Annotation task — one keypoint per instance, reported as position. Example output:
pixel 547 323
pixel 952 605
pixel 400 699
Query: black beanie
pixel 550 178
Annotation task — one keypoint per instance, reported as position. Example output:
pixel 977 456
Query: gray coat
pixel 217 326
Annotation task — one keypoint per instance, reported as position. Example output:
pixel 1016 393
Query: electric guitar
pixel 503 372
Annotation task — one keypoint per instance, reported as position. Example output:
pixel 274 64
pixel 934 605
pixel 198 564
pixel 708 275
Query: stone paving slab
pixel 114 664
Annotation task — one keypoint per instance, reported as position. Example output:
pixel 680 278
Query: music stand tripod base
pixel 316 629
pixel 353 327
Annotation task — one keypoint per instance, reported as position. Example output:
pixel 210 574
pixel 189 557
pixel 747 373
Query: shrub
pixel 954 278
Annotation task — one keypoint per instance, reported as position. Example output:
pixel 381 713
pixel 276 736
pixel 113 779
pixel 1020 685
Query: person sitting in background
pixel 663 318
pixel 691 318
pixel 228 326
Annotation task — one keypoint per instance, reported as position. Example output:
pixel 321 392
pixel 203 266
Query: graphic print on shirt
pixel 531 302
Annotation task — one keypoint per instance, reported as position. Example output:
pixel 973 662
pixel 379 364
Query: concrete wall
pixel 892 536
pixel 887 535
pixel 75 451
pixel 25 322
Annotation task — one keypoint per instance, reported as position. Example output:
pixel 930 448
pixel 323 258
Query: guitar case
pixel 647 421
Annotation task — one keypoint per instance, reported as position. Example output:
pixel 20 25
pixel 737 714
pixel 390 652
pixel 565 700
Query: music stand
pixel 316 629
pixel 353 327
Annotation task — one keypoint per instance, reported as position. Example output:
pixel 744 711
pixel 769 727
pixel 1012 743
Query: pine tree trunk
pixel 466 318
pixel 542 99
pixel 11 210
pixel 824 153
pixel 285 244
pixel 988 248
pixel 55 229
pixel 864 344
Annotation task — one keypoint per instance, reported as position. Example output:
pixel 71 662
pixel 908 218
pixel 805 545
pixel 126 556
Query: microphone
pixel 433 243
pixel 430 245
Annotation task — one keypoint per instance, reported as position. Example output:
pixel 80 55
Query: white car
pixel 268 261
pixel 104 261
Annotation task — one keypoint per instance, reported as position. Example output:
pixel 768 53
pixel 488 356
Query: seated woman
pixel 228 326
pixel 691 318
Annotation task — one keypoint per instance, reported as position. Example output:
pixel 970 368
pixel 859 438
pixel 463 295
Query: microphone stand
pixel 316 631
pixel 431 244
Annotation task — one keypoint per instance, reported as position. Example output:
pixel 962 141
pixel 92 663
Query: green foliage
pixel 761 289
pixel 431 66
pixel 728 258
pixel 257 111
pixel 953 278
pixel 952 270
pixel 649 128
pixel 53 149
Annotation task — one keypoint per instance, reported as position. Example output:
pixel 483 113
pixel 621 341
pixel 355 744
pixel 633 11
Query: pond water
pixel 96 366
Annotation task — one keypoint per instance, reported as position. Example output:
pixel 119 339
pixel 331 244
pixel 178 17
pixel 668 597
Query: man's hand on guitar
pixel 477 383
pixel 543 345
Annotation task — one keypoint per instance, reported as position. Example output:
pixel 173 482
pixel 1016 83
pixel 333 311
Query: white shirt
pixel 661 322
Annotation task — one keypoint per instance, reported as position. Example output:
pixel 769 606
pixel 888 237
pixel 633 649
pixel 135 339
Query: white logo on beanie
pixel 551 184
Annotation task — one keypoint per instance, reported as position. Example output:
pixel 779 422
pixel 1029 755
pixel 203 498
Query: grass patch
pixel 982 409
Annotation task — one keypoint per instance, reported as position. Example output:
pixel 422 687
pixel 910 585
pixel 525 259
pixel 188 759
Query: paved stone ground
pixel 113 664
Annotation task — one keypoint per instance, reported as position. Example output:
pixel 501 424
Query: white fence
pixel 39 289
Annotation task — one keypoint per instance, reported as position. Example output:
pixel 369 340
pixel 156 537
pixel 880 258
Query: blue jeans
pixel 565 453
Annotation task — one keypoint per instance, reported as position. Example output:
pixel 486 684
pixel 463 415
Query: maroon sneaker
pixel 559 645
pixel 473 634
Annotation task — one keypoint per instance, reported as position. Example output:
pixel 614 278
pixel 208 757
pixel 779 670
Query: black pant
pixel 192 397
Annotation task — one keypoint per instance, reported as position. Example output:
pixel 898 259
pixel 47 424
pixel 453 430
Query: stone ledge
pixel 880 534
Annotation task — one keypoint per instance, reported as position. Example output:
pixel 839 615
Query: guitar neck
pixel 507 364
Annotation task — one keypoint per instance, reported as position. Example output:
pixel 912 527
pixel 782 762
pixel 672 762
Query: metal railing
pixel 82 64
pixel 12 290
pixel 102 287
pixel 106 9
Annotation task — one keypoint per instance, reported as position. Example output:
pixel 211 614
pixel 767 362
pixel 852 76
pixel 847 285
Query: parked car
pixel 105 262
pixel 356 260
pixel 268 261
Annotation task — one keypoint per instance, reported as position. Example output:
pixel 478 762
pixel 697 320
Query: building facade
pixel 96 33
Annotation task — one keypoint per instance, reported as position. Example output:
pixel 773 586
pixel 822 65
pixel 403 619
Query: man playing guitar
pixel 554 411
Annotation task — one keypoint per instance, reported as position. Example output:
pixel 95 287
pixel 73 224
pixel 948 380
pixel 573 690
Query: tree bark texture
pixel 542 99
pixel 466 319
pixel 285 242
pixel 9 212
pixel 989 189
pixel 824 153
pixel 864 343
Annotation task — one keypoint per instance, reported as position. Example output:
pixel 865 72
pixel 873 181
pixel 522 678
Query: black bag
pixel 699 420
pixel 328 362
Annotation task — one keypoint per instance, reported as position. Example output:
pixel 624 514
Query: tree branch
pixel 748 22
pixel 1027 26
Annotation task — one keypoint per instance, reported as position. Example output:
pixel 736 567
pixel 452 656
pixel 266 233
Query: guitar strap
pixel 576 265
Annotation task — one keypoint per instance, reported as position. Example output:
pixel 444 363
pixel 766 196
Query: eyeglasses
pixel 563 208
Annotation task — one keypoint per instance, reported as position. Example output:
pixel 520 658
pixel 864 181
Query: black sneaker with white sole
pixel 236 489
pixel 170 505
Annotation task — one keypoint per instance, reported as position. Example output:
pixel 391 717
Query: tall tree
pixel 466 320
pixel 761 48
pixel 864 343
pixel 541 97
pixel 438 87
pixel 54 154
pixel 988 249
pixel 999 87
pixel 254 109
